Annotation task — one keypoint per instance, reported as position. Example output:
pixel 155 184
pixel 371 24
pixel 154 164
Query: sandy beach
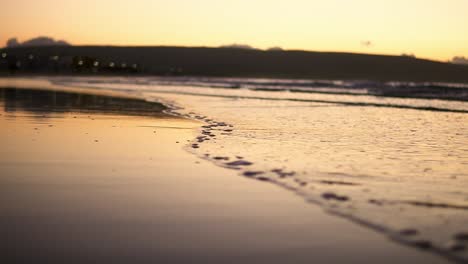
pixel 83 181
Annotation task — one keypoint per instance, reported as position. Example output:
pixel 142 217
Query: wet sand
pixel 88 184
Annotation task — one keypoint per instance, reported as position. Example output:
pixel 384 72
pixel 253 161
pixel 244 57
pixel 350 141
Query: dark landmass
pixel 225 62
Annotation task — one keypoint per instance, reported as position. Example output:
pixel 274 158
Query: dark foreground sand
pixel 117 188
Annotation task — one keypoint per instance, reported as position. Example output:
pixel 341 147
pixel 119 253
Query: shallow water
pixel 100 179
pixel 398 165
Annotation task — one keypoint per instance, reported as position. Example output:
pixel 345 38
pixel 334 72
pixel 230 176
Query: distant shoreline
pixel 224 62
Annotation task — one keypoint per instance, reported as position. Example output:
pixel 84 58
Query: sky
pixel 433 29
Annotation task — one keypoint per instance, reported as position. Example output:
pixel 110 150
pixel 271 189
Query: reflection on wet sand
pixel 45 102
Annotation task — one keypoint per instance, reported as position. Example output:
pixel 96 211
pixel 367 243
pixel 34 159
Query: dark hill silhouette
pixel 199 61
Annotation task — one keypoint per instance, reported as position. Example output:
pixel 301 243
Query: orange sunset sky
pixel 435 29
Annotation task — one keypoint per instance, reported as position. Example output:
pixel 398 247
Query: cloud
pixel 39 41
pixel 460 60
pixel 275 49
pixel 238 46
